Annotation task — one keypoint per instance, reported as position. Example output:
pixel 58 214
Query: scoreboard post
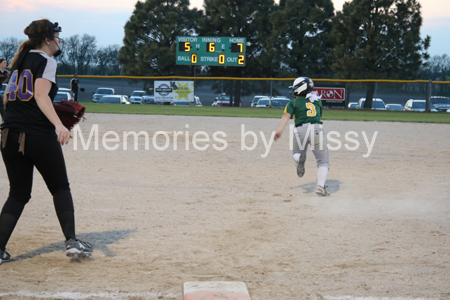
pixel 211 51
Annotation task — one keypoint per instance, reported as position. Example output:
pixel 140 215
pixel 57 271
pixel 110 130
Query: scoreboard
pixel 211 51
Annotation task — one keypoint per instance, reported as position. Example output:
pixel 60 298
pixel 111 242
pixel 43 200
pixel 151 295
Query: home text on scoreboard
pixel 211 51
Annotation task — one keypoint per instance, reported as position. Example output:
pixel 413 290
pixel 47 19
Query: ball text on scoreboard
pixel 211 51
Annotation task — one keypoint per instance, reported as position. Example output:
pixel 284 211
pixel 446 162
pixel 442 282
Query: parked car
pixel 255 100
pixel 148 99
pixel 182 103
pixel 392 106
pixel 116 99
pixel 2 91
pixel 279 102
pixel 263 102
pixel 440 103
pixel 102 91
pixel 377 104
pixel 417 105
pixel 66 90
pixel 354 105
pixel 60 96
pixel 223 100
pixel 136 97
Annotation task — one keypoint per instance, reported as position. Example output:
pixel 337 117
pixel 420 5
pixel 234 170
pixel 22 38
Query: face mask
pixel 58 52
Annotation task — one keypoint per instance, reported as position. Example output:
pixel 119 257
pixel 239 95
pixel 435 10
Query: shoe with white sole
pixel 322 191
pixel 78 248
pixel 4 256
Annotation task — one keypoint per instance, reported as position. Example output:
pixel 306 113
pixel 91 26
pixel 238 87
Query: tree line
pixel 80 55
pixel 368 39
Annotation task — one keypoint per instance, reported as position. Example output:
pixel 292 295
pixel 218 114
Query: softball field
pixel 227 205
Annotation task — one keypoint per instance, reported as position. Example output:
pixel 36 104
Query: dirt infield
pixel 159 218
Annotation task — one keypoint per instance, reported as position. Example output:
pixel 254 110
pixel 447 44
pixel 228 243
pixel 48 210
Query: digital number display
pixel 211 51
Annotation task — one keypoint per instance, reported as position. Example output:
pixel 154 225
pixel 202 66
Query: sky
pixel 105 19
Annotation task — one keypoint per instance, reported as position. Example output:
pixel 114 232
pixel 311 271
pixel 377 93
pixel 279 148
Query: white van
pixel 377 104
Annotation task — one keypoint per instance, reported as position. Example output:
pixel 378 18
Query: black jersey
pixel 22 112
pixel 75 84
pixel 3 76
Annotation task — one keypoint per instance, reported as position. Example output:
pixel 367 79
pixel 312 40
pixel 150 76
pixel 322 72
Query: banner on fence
pixel 331 95
pixel 170 91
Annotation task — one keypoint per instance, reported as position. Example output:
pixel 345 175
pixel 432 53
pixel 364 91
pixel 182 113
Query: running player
pixel 306 108
pixel 32 135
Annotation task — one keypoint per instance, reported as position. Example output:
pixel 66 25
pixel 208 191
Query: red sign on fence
pixel 336 94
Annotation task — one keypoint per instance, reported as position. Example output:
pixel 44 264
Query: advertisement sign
pixel 331 95
pixel 170 91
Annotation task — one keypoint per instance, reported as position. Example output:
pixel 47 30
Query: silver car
pixel 354 105
pixel 440 103
pixel 148 99
pixel 263 102
pixel 136 97
pixel 417 105
pixel 393 106
pixel 114 99
pixel 102 91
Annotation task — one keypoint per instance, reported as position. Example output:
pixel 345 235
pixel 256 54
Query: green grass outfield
pixel 250 112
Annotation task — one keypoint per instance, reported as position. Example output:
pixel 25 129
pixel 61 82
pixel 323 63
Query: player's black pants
pixel 75 95
pixel 44 153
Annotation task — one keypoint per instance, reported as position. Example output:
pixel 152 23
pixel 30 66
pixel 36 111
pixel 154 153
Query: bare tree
pixel 8 48
pixel 106 59
pixel 80 52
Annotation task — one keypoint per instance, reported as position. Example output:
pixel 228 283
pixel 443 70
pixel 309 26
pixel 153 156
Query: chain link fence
pixel 390 91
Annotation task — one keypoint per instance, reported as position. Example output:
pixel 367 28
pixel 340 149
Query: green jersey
pixel 304 111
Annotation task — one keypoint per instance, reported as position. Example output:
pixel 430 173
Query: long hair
pixel 37 32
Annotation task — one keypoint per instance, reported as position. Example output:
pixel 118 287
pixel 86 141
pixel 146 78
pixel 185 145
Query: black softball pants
pixel 44 153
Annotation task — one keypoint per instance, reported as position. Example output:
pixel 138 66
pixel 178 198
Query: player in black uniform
pixel 74 85
pixel 32 135
pixel 3 71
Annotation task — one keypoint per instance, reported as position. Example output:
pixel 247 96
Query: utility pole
pixel 428 99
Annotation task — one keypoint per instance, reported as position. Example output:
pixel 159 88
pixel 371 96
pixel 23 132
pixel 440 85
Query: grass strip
pixel 250 112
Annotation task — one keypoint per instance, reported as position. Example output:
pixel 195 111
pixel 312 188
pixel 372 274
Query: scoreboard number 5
pixel 185 46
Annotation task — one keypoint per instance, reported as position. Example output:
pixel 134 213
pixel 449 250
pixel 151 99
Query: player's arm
pixel 71 84
pixel 42 87
pixel 284 120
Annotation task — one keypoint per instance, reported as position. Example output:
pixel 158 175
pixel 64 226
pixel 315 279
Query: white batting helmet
pixel 302 86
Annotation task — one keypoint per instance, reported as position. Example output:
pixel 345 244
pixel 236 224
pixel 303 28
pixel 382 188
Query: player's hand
pixel 63 134
pixel 277 135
